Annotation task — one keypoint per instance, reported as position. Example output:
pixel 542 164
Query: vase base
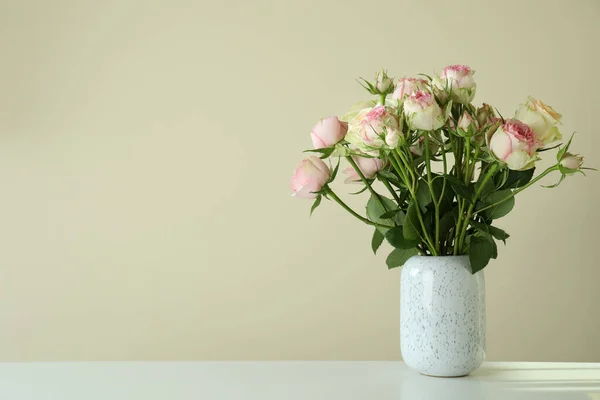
pixel 444 376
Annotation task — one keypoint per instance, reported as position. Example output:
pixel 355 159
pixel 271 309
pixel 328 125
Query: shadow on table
pixel 478 387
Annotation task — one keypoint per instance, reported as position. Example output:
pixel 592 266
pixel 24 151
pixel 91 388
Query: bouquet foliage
pixel 448 169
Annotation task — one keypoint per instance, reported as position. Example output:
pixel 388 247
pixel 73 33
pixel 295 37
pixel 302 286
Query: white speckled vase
pixel 442 316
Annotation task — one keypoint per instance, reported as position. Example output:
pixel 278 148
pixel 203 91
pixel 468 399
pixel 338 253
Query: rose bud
pixel 310 177
pixel 383 83
pixel 571 161
pixel 368 166
pixel 328 132
pixel 418 149
pixel 467 122
pixel 485 115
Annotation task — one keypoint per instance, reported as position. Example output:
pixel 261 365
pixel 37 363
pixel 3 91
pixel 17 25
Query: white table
pixel 291 380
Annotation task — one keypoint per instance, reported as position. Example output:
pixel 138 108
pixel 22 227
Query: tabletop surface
pixel 312 380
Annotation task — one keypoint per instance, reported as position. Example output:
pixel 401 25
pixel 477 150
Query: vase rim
pixel 452 256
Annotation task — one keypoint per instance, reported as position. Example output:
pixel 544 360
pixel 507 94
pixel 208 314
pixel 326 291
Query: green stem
pixel 427 239
pixel 444 187
pixel 400 159
pixel 399 170
pixel 413 194
pixel 471 171
pixel 519 190
pixel 391 189
pixel 396 164
pixel 490 172
pixel 436 203
pixel 403 160
pixel 467 156
pixel 366 182
pixel 456 233
pixel 351 211
pixel 458 160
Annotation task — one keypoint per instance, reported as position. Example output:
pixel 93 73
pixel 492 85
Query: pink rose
pixel 379 128
pixel 310 176
pixel 459 76
pixel 368 166
pixel 515 144
pixel 328 132
pixel 460 79
pixel 422 112
pixel 407 86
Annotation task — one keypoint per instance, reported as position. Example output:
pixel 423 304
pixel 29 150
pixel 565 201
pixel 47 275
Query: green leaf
pixel 448 109
pixel 447 222
pixel 518 178
pixel 417 161
pixel 446 200
pixel 549 148
pixel 480 252
pixel 562 178
pixel 398 257
pixel 376 240
pixel 400 218
pixel 501 209
pixel 488 187
pixel 563 150
pixel 460 188
pixel 316 203
pixel 360 191
pixel 367 85
pixel 411 223
pixel 395 237
pixel 390 214
pixel 335 171
pixel 490 230
pixel 374 211
pixel 325 152
pixel 423 195
pixel 387 174
pixel 494 248
pixel 498 233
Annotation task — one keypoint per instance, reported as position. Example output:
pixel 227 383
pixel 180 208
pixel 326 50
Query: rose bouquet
pixel 448 169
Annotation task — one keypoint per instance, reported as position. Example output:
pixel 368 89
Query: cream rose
pixel 422 112
pixel 379 128
pixel 407 86
pixel 541 118
pixel 460 79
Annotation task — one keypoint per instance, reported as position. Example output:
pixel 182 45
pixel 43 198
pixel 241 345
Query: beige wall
pixel 145 153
